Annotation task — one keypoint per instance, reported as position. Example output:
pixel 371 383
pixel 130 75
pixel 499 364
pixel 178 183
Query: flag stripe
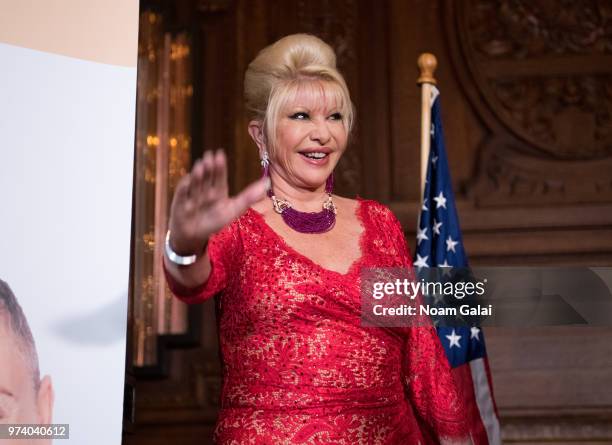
pixel 484 401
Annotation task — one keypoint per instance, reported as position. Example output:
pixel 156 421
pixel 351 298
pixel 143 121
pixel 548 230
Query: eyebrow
pixel 303 109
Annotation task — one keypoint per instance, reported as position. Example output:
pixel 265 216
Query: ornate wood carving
pixel 523 38
pixel 510 177
pixel 546 111
pixel 539 74
pixel 525 28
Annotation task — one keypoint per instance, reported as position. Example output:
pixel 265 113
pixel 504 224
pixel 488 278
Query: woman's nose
pixel 320 132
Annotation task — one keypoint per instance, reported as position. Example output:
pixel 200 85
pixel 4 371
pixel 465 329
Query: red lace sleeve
pixel 224 250
pixel 431 386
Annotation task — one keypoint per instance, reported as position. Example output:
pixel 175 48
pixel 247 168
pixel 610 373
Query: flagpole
pixel 427 65
pixel 438 224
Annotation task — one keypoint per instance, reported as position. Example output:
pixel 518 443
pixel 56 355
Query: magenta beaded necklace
pixel 304 222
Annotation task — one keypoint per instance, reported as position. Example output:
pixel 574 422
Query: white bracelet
pixel 176 258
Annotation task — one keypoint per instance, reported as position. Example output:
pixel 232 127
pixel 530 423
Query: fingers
pixel 195 178
pixel 220 165
pixel 208 177
pixel 250 195
pixel 209 171
pixel 181 191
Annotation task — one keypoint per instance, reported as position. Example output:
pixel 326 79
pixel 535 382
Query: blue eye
pixel 299 116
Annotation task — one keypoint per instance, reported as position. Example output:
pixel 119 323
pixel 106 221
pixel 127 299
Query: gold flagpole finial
pixel 427 63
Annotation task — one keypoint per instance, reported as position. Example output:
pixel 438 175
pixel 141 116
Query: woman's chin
pixel 315 183
pixel 312 176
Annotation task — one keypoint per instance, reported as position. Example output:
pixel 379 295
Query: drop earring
pixel 265 164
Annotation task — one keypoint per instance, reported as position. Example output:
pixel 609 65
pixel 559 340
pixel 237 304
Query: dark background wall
pixel 527 100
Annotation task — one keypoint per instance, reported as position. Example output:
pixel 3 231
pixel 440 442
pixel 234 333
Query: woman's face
pixel 310 138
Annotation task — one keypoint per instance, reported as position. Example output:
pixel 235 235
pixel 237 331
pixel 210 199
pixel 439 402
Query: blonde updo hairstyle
pixel 296 61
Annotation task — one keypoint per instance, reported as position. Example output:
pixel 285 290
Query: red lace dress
pixel 298 367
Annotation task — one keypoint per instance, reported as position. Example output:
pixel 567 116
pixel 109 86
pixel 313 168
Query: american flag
pixel 439 244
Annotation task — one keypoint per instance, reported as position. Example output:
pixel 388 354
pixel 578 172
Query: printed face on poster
pixel 66 169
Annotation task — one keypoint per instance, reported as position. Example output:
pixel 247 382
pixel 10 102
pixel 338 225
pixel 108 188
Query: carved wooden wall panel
pixel 539 75
pixel 526 103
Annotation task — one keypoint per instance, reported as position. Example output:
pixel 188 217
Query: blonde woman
pixel 285 257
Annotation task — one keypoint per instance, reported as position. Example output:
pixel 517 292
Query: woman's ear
pixel 256 131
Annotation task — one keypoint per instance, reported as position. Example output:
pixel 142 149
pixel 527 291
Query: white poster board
pixel 67 104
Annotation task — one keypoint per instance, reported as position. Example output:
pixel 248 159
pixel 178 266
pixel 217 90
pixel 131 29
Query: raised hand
pixel 202 206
